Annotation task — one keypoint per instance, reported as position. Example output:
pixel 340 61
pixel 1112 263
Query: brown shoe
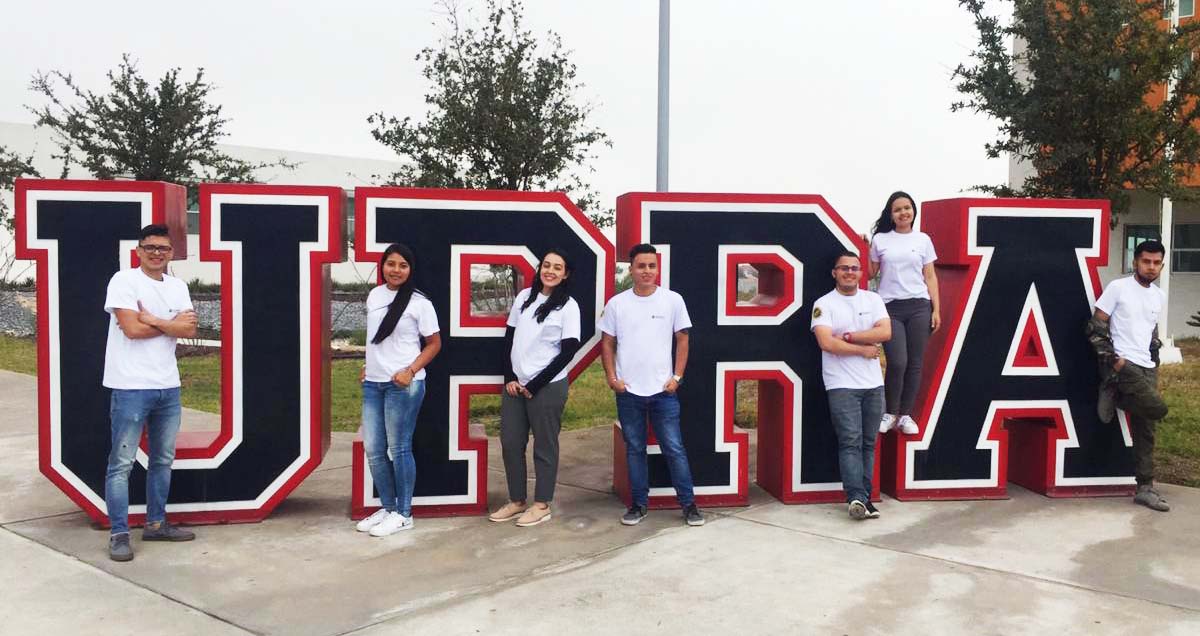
pixel 534 516
pixel 510 510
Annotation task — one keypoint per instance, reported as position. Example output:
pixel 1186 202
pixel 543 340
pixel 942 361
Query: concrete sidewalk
pixel 1027 564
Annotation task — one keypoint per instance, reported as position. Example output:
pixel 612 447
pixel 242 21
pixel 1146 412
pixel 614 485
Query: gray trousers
pixel 906 352
pixel 543 416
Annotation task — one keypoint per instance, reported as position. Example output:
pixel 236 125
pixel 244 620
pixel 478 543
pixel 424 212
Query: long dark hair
pixel 403 295
pixel 561 293
pixel 885 222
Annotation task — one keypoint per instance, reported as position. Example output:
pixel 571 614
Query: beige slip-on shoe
pixel 508 511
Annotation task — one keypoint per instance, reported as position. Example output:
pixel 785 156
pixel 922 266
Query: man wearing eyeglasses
pixel 149 311
pixel 850 324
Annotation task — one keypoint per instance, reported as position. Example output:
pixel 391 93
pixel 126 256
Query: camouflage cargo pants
pixel 1136 392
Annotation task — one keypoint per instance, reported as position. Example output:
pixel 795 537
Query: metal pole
pixel 664 92
pixel 1167 217
pixel 1169 353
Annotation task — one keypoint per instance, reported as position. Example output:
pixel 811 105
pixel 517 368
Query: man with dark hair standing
pixel 850 324
pixel 149 311
pixel 1124 332
pixel 639 326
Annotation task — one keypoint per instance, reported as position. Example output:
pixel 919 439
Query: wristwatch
pixel 848 337
pixel 678 379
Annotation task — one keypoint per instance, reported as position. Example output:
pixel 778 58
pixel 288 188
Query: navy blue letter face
pixel 787 244
pixel 1011 393
pixel 273 335
pixel 450 232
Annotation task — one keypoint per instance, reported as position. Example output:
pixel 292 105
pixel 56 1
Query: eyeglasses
pixel 848 268
pixel 155 249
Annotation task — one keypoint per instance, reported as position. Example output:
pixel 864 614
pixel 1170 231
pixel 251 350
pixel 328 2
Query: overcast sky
pixel 850 100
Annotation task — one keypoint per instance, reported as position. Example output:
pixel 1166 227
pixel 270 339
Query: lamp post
pixel 664 92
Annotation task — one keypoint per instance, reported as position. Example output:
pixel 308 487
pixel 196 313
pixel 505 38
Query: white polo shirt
pixel 645 327
pixel 843 314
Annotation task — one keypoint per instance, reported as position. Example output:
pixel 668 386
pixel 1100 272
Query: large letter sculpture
pixel 1010 390
pixel 275 244
pixel 449 231
pixel 703 239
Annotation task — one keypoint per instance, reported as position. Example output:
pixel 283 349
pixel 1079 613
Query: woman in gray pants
pixel 904 258
pixel 543 336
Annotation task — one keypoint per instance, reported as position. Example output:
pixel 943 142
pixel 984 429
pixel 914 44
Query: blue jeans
pixel 662 409
pixel 389 417
pixel 856 414
pixel 129 410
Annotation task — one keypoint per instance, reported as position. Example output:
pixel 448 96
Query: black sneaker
pixel 119 548
pixel 691 514
pixel 166 532
pixel 872 511
pixel 634 515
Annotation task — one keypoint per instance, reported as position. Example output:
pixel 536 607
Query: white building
pixel 312 169
pixel 1181 274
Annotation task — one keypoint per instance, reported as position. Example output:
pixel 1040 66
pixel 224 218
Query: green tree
pixel 504 114
pixel 165 132
pixel 1071 98
pixel 12 167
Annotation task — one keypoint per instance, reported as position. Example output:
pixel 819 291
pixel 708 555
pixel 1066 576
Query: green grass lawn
pixel 1177 448
pixel 591 403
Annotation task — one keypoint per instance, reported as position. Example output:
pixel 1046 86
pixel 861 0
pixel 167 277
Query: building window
pixel 1186 8
pixel 1135 234
pixel 1185 255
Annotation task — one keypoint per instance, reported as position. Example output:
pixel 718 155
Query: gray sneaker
pixel 634 515
pixel 1149 497
pixel 119 548
pixel 692 515
pixel 164 531
pixel 857 510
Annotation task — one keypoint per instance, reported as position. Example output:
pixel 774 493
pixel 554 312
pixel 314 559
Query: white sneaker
pixel 908 426
pixel 393 523
pixel 372 521
pixel 887 423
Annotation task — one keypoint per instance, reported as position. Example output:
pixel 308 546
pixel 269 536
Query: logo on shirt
pixel 816 312
pixel 657 317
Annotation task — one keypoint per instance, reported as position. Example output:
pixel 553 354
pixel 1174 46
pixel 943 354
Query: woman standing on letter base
pixel 904 258
pixel 543 335
pixel 393 383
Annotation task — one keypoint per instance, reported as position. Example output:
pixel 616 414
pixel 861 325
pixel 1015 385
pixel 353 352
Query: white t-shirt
pixel 901 258
pixel 536 344
pixel 843 313
pixel 143 363
pixel 1133 313
pixel 645 327
pixel 403 345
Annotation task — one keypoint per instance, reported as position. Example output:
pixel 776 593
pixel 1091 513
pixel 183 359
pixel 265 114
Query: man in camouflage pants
pixel 1124 332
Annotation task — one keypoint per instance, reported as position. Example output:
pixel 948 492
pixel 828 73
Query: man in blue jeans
pixel 850 324
pixel 149 311
pixel 639 326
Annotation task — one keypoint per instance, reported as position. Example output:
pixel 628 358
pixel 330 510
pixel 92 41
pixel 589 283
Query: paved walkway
pixel 1025 565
